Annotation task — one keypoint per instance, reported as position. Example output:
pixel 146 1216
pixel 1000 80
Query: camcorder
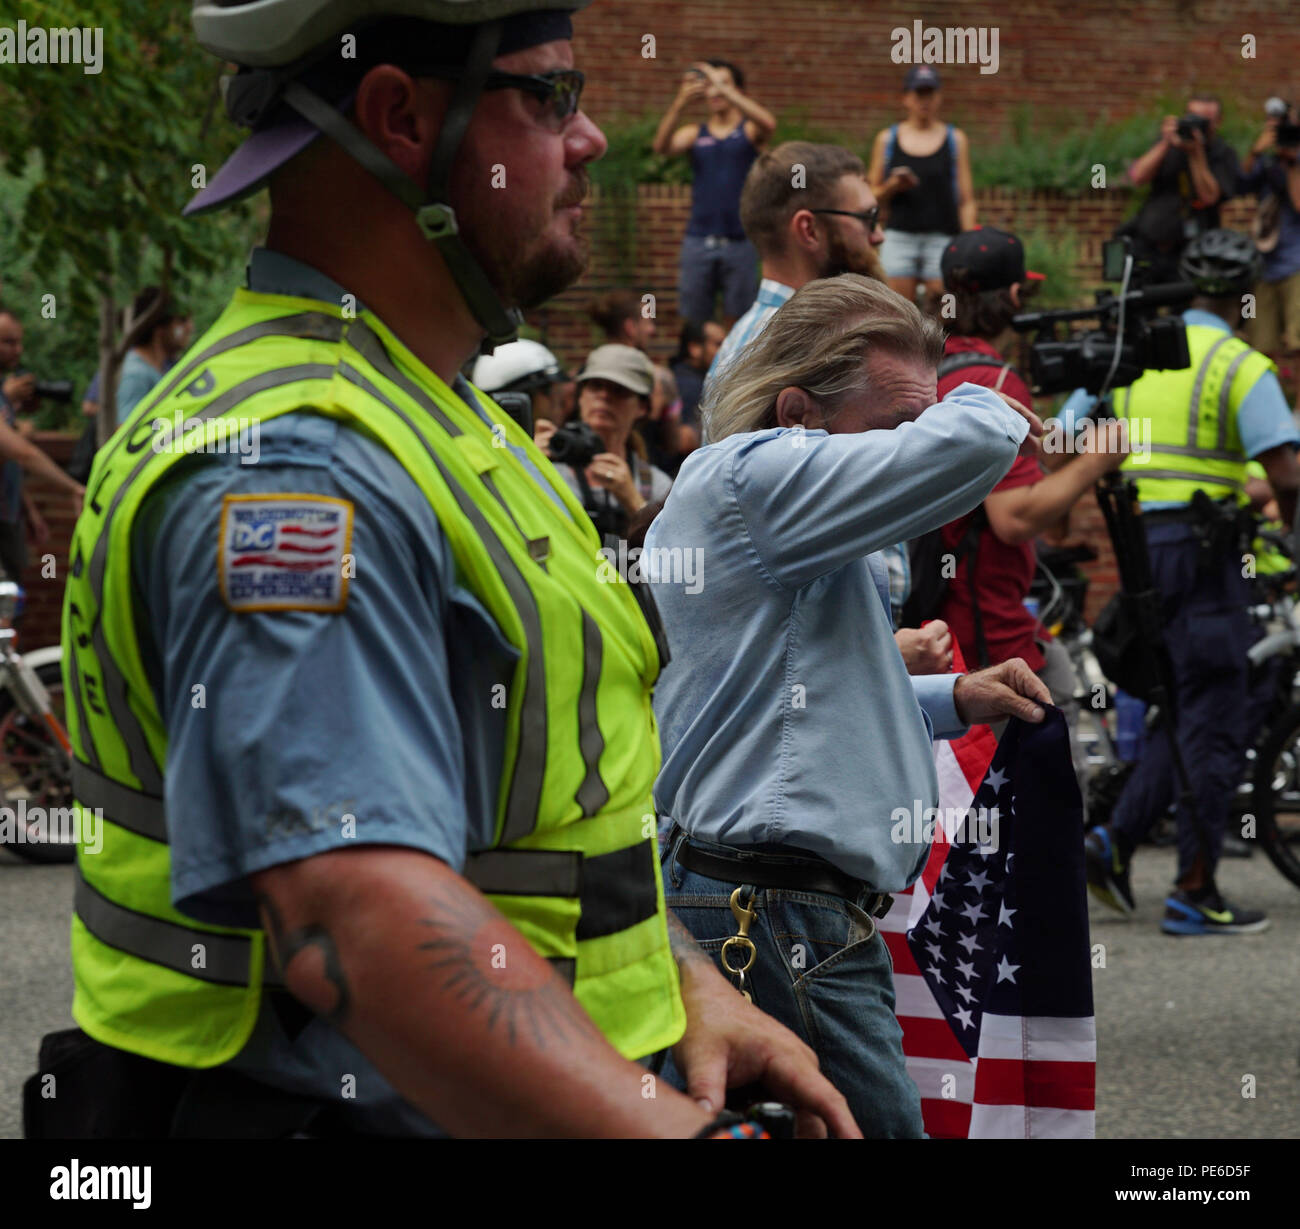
pixel 1288 130
pixel 1133 337
pixel 1190 124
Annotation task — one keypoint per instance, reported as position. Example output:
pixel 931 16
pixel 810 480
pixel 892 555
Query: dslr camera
pixel 1193 123
pixel 1288 130
pixel 575 444
pixel 53 390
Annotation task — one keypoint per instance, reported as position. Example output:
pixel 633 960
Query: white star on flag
pixel 974 913
pixel 1004 914
pixel 963 1015
pixel 996 778
pixel 978 882
pixel 1006 970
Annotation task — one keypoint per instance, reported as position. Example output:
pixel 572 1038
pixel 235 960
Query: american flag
pixel 992 971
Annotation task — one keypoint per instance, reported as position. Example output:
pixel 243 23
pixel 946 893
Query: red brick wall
pixel 830 59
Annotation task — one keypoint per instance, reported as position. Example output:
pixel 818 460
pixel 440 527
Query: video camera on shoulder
pixel 1133 336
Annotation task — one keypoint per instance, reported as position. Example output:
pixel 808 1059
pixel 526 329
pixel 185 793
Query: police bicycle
pixel 35 755
pixel 1268 799
pixel 1060 588
pixel 1271 791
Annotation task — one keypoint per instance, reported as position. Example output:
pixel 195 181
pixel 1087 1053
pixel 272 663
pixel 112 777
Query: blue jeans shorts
pixel 905 254
pixel 822 969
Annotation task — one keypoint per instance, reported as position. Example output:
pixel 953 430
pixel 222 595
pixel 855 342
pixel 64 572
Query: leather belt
pixel 803 873
pixel 1171 516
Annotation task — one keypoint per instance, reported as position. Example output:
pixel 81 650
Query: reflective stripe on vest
pixel 615 889
pixel 575 866
pixel 1193 439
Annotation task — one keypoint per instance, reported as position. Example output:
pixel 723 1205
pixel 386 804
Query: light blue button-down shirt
pixel 786 714
pixel 771 296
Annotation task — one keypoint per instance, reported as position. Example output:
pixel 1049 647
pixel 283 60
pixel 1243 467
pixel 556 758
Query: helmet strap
pixel 433 214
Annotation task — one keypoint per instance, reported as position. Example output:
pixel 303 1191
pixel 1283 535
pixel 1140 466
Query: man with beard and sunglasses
pixel 372 741
pixel 809 212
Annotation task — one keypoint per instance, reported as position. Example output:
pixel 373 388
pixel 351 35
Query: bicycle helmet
pixel 285 48
pixel 1221 262
pixel 518 366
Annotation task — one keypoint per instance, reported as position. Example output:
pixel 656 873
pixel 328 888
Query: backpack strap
pixel 952 162
pixel 959 362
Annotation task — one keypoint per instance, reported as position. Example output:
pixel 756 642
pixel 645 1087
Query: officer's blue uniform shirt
pixel 1264 419
pixel 280 724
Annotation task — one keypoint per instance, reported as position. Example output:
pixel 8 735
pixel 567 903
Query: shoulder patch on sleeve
pixel 284 552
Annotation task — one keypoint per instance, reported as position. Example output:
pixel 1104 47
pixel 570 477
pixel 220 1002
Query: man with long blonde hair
pixel 791 728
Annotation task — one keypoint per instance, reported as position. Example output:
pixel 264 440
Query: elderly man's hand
pixel 1008 689
pixel 926 650
pixel 729 1043
pixel 1029 447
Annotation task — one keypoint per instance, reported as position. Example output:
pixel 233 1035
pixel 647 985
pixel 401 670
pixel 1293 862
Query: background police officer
pixel 370 704
pixel 1204 423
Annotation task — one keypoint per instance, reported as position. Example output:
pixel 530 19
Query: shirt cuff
pixel 934 695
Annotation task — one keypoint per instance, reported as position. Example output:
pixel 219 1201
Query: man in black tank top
pixel 920 172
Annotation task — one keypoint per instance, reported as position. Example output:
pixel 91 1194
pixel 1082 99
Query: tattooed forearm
pixel 489 967
pixel 318 978
pixel 686 951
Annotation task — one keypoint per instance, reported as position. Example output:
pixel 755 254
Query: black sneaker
pixel 1211 915
pixel 1107 872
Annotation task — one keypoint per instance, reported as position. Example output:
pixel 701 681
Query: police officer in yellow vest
pixel 1202 424
pixel 372 743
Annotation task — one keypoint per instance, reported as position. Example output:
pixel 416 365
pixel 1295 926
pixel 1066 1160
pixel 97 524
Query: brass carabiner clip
pixel 743 944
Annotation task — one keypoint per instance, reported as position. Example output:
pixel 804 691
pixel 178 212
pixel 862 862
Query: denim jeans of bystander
pixel 822 969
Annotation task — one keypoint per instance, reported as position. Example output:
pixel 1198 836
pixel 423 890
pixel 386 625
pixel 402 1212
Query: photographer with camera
pixel 602 450
pixel 1192 171
pixel 1203 424
pixel 716 257
pixel 1272 171
pixel 529 370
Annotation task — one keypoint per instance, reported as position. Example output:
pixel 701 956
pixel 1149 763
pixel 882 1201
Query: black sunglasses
pixel 868 218
pixel 560 90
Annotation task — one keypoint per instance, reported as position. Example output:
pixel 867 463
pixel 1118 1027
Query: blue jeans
pixel 822 970
pixel 706 267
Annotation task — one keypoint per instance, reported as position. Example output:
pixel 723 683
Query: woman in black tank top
pixel 920 173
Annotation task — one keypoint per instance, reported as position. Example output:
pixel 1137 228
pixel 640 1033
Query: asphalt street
pixel 1180 1022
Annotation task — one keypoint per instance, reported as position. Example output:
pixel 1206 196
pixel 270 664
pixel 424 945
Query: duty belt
pixel 801 871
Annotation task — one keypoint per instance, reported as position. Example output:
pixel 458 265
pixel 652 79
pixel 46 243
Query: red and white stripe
pixel 1033 1077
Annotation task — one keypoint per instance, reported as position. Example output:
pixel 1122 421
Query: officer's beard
pixel 529 277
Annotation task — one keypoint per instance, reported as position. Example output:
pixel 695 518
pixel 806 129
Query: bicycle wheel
pixel 1275 793
pixel 32 772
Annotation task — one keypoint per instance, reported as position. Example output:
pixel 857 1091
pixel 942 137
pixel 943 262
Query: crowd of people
pixel 464 822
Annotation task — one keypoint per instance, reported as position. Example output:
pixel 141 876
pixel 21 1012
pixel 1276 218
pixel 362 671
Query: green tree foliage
pixel 96 170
